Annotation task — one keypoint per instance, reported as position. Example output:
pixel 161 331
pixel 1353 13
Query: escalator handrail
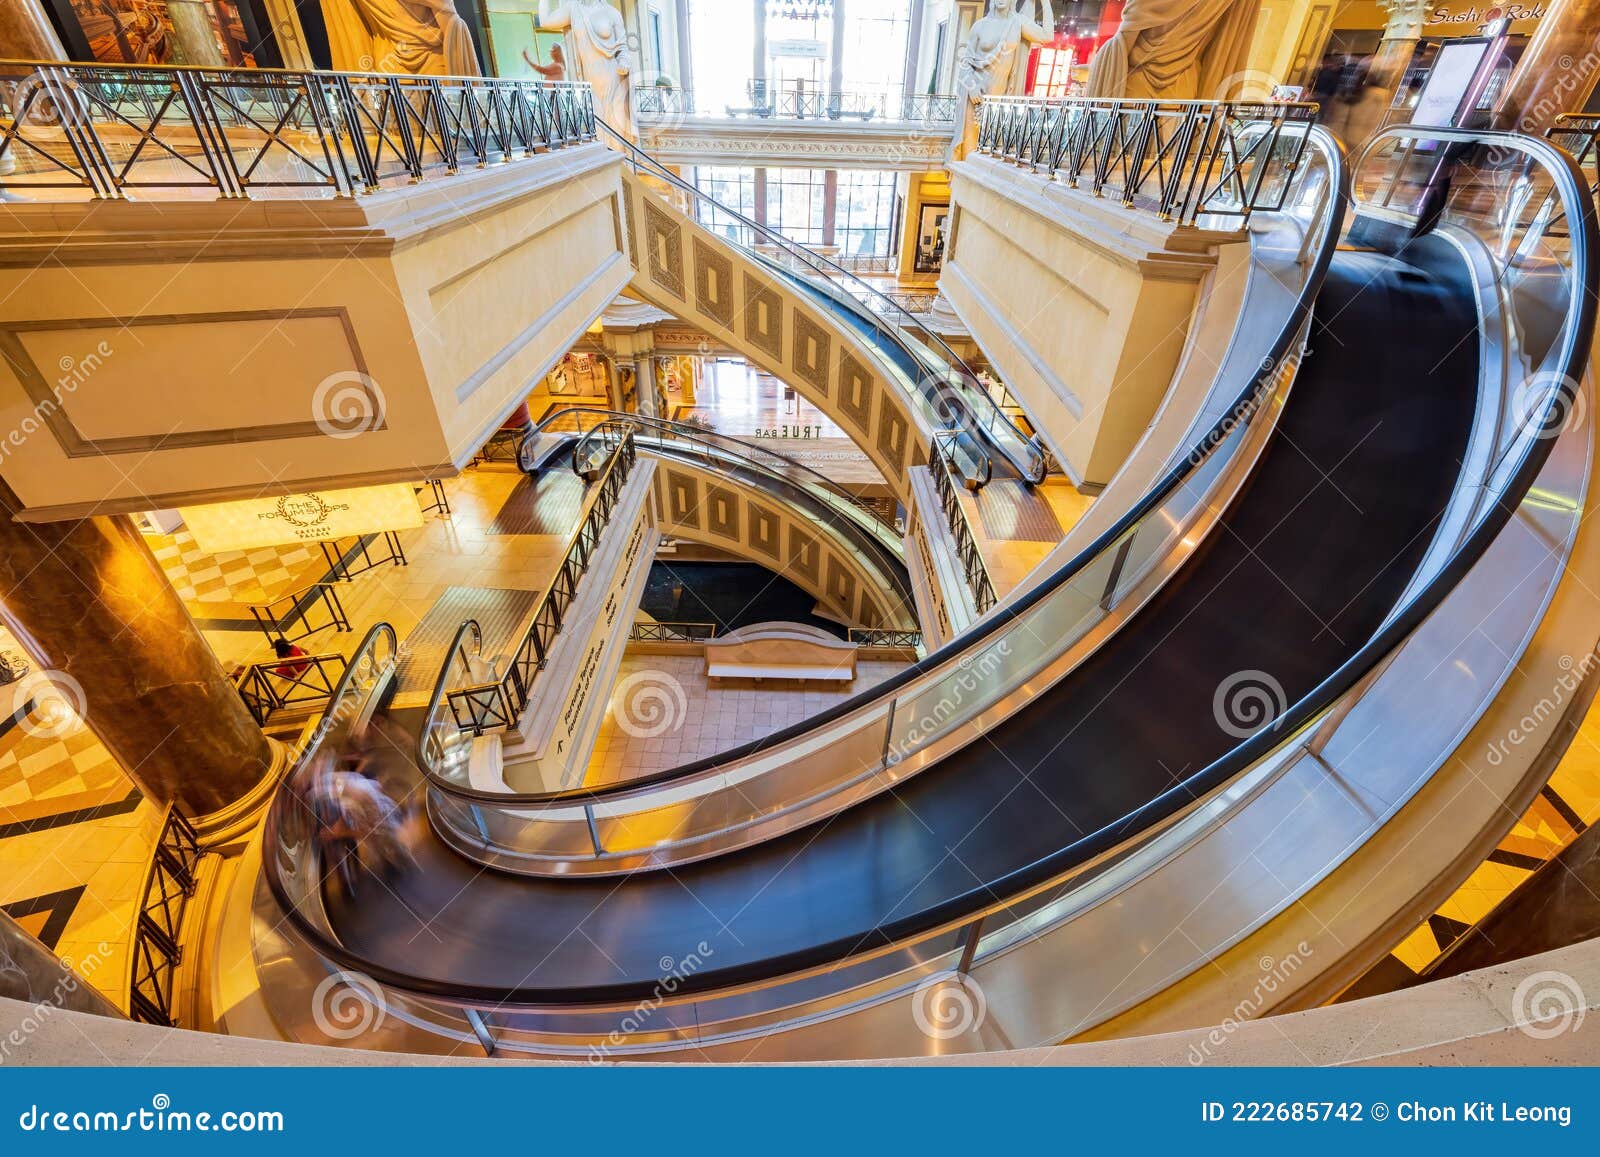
pixel 823 511
pixel 441 687
pixel 720 443
pixel 1242 410
pixel 831 268
pixel 961 910
pixel 1250 397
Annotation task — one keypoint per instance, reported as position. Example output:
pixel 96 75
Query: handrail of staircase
pixel 947 408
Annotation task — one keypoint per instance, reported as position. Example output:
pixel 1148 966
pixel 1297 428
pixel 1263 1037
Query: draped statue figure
pixel 421 37
pixel 986 64
pixel 1176 50
pixel 598 40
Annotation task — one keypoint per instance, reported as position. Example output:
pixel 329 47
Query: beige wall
pixel 1082 306
pixel 171 353
pixel 693 274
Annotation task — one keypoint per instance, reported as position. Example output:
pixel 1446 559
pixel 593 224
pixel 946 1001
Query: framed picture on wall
pixel 932 228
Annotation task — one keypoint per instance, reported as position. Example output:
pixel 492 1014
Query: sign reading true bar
pixel 324 514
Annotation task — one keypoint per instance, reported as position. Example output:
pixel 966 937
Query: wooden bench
pixel 781 651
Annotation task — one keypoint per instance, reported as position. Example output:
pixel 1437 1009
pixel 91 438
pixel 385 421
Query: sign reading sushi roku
pixel 323 514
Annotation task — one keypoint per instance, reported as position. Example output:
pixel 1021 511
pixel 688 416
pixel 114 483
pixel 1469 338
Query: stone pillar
pixel 836 63
pixel 1399 43
pixel 194 38
pixel 685 48
pixel 758 65
pixel 1557 71
pixel 27 34
pixel 644 383
pixel 908 86
pixel 88 600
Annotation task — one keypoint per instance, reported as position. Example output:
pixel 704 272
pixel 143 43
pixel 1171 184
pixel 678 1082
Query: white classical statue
pixel 986 64
pixel 1176 50
pixel 597 42
pixel 421 37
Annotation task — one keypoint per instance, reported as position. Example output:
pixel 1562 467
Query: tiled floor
pixel 1568 805
pixel 737 400
pixel 460 551
pixel 76 839
pixel 241 577
pixel 663 713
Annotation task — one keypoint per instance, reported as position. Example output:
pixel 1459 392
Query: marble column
pixel 88 600
pixel 27 34
pixel 648 392
pixel 1399 43
pixel 685 48
pixel 1558 69
pixel 194 38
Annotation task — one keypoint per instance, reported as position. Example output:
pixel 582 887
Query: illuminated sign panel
pixel 324 514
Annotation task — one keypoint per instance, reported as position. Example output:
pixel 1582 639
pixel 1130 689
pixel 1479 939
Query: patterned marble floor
pixel 76 838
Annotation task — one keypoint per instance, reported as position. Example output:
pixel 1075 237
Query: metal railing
pixel 859 529
pixel 795 101
pixel 719 450
pixel 157 942
pixel 993 921
pixel 947 391
pixel 295 616
pixel 360 557
pixel 873 738
pixel 967 552
pixel 487 706
pixel 1579 134
pixel 110 130
pixel 888 640
pixel 1182 159
pixel 296 683
pixel 659 632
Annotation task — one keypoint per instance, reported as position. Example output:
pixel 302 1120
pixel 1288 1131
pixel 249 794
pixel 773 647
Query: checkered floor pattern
pixel 44 775
pixel 253 576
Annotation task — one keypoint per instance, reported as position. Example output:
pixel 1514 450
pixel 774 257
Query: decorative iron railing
pixel 967 552
pixel 297 683
pixel 887 640
pixel 1183 159
pixel 111 130
pixel 486 706
pixel 300 615
pixel 672 632
pixel 157 944
pixel 1579 134
pixel 360 557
